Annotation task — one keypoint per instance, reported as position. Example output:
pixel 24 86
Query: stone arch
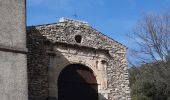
pixel 93 68
pixel 90 62
pixel 77 82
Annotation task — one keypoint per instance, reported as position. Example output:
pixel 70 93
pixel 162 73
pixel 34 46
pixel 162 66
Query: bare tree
pixel 152 36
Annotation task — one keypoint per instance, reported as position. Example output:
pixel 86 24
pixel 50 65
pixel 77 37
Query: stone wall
pixel 65 32
pixel 37 63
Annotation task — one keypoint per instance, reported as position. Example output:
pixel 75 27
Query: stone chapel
pixel 67 60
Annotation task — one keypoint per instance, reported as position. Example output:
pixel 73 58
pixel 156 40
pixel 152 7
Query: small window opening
pixel 78 38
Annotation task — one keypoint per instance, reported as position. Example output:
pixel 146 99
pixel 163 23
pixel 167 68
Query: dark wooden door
pixel 77 82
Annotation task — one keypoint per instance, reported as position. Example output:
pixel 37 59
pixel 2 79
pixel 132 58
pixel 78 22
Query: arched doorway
pixel 77 82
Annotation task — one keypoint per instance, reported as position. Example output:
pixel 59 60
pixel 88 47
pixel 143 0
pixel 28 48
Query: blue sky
pixel 114 18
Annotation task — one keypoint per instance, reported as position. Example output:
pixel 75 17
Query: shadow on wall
pixel 37 62
pixel 75 82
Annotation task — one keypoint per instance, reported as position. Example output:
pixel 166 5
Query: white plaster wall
pixel 13 76
pixel 12 23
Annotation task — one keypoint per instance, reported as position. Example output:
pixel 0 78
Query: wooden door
pixel 77 82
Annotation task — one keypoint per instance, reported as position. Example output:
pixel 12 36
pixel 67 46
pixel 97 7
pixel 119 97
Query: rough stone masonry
pixel 52 47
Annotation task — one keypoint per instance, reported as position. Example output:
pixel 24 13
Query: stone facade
pixel 52 47
pixel 13 60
